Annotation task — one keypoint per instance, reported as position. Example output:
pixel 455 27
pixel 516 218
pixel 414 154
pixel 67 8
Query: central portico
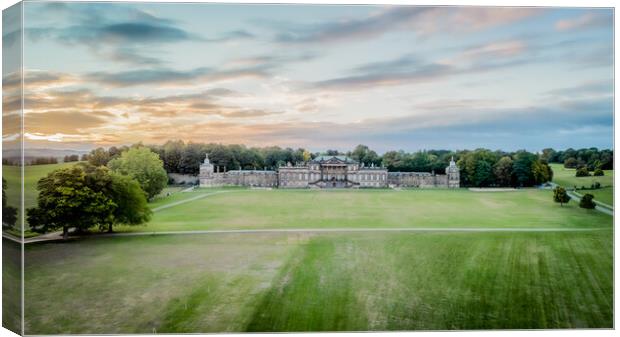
pixel 332 172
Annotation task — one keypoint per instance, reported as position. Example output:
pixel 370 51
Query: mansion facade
pixel 327 172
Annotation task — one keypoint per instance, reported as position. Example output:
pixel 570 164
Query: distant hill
pixel 41 152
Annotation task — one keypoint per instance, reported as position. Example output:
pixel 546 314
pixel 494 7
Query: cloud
pixel 460 126
pixel 410 69
pixel 118 32
pixel 400 72
pixel 164 76
pixel 507 48
pixel 141 32
pixel 585 21
pixel 231 36
pixel 250 67
pixel 423 21
pixel 373 78
pixel 205 103
pixel 590 88
pixel 66 122
pixel 128 55
pixel 35 79
pixel 403 63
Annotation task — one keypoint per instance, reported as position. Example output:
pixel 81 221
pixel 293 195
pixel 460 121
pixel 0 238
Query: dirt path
pixel 180 202
pixel 601 207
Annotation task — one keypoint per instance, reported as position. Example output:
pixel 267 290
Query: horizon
pixel 316 76
pixel 67 151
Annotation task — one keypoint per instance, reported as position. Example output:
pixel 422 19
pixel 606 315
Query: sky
pixel 315 76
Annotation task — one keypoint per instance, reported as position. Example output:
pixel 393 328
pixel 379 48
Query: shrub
pixel 570 163
pixel 598 172
pixel 582 172
pixel 587 201
pixel 596 185
pixel 560 195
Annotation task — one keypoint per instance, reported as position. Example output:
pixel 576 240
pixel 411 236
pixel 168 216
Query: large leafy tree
pixel 145 167
pixel 87 196
pixel 70 198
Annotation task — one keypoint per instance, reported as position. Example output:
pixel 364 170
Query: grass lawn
pixel 326 282
pixel 566 177
pixel 11 285
pixel 249 209
pixel 331 281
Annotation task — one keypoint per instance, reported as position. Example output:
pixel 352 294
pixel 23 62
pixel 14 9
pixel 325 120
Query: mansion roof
pixel 343 159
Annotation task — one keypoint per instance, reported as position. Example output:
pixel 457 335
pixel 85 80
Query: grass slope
pixel 566 177
pixel 11 285
pixel 250 209
pixel 329 282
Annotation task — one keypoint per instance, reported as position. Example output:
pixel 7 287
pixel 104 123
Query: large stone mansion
pixel 327 172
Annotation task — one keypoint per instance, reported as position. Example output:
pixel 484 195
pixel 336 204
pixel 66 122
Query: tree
pixel 570 163
pixel 547 154
pixel 71 158
pixel 67 201
pixel 307 156
pixel 87 196
pixel 332 152
pixel 99 157
pixel 131 206
pixel 115 152
pixel 469 165
pixel 172 153
pixel 582 172
pixel 560 195
pixel 503 171
pixel 191 157
pixel 365 155
pixel 587 201
pixel 393 160
pixel 484 174
pixel 541 172
pixel 144 166
pixel 598 172
pixel 522 165
pixel 9 213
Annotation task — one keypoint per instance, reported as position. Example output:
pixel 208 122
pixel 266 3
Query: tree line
pixel 591 158
pixel 479 167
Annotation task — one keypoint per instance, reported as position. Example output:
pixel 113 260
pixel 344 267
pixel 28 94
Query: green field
pixel 566 177
pixel 328 282
pixel 252 209
pixel 308 281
